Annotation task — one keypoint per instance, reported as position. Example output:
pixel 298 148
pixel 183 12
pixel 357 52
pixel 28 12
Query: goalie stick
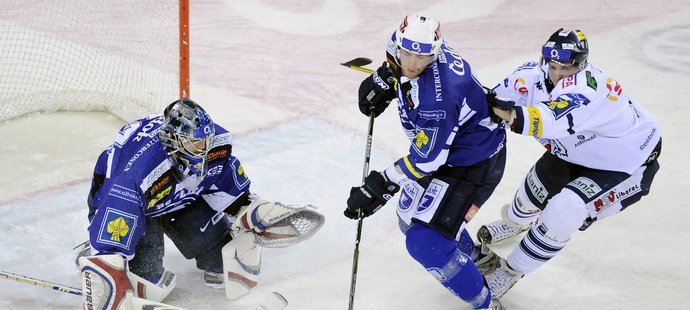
pixel 358 64
pixel 41 283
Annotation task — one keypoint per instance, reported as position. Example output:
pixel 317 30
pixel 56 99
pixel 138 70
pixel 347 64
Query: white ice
pixel 269 72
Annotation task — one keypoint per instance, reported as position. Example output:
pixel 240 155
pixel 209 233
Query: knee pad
pixel 564 214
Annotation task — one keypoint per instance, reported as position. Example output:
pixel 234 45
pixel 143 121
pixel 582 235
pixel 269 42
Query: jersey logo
pixel 424 140
pixel 614 88
pixel 160 196
pixel 591 82
pixel 117 227
pixel 566 103
pixel 519 86
pixel 585 186
pixel 240 178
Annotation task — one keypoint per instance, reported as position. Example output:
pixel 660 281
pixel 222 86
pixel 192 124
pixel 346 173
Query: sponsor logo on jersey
pixel 535 129
pixel 124 193
pixel 536 187
pixel 162 194
pixel 160 188
pixel 436 115
pixel 215 170
pixel 584 140
pixel 218 154
pixel 614 88
pixel 140 152
pixel 149 130
pixel 437 83
pixel 221 139
pixel 117 227
pixel 649 138
pixel 569 81
pixel 586 186
pixel 520 86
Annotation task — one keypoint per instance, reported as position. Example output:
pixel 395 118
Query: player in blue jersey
pixel 175 175
pixel 456 156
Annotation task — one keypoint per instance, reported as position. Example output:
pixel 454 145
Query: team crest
pixel 424 140
pixel 117 227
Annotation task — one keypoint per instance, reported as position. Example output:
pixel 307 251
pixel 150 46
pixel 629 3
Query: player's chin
pixel 412 73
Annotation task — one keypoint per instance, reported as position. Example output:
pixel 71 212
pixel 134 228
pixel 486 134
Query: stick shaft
pixel 41 283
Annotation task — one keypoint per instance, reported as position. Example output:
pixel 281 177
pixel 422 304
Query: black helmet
pixel 566 47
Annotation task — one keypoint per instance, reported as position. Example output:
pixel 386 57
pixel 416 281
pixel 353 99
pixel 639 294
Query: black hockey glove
pixel 371 196
pixel 377 91
pixel 498 102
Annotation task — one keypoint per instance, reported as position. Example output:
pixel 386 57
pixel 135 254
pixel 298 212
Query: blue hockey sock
pixel 454 269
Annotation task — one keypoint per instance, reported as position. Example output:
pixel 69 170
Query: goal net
pixel 118 56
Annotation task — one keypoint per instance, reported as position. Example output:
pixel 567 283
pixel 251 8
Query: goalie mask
pixel 186 132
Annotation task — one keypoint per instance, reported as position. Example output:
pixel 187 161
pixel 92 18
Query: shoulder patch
pixel 117 227
pixel 566 103
pixel 424 141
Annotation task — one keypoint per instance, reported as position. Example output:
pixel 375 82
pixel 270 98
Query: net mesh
pixel 117 56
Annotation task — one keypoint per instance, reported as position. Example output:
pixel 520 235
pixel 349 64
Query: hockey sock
pixel 444 260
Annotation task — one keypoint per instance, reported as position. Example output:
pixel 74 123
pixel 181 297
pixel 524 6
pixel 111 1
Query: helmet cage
pixel 186 132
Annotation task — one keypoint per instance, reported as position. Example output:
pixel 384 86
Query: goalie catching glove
pixel 278 225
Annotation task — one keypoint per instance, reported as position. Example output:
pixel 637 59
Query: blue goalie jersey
pixel 445 115
pixel 139 180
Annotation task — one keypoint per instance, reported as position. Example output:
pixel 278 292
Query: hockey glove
pixel 377 91
pixel 371 196
pixel 497 102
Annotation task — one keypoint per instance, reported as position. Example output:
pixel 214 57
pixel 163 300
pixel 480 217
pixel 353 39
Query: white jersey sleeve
pixel 587 118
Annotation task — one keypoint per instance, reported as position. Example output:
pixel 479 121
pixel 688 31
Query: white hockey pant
pixel 563 215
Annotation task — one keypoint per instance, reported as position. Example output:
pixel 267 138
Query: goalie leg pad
pixel 104 282
pixel 241 264
pixel 153 291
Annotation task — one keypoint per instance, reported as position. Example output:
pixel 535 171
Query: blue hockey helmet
pixel 566 47
pixel 186 132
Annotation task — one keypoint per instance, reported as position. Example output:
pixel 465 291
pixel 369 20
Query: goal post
pixel 127 57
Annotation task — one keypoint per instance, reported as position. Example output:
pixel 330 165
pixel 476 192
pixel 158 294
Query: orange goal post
pixel 127 57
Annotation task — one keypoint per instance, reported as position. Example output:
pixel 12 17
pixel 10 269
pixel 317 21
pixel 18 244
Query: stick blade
pixel 357 62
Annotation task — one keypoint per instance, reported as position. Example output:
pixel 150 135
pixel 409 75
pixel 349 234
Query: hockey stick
pixel 360 220
pixel 41 283
pixel 358 64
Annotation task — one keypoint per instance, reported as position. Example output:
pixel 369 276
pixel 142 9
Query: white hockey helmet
pixel 419 34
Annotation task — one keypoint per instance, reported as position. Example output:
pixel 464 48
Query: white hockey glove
pixel 277 225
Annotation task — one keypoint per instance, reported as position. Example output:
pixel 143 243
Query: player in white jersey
pixel 602 150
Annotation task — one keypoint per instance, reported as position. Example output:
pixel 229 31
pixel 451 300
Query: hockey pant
pixel 567 197
pixel 197 231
